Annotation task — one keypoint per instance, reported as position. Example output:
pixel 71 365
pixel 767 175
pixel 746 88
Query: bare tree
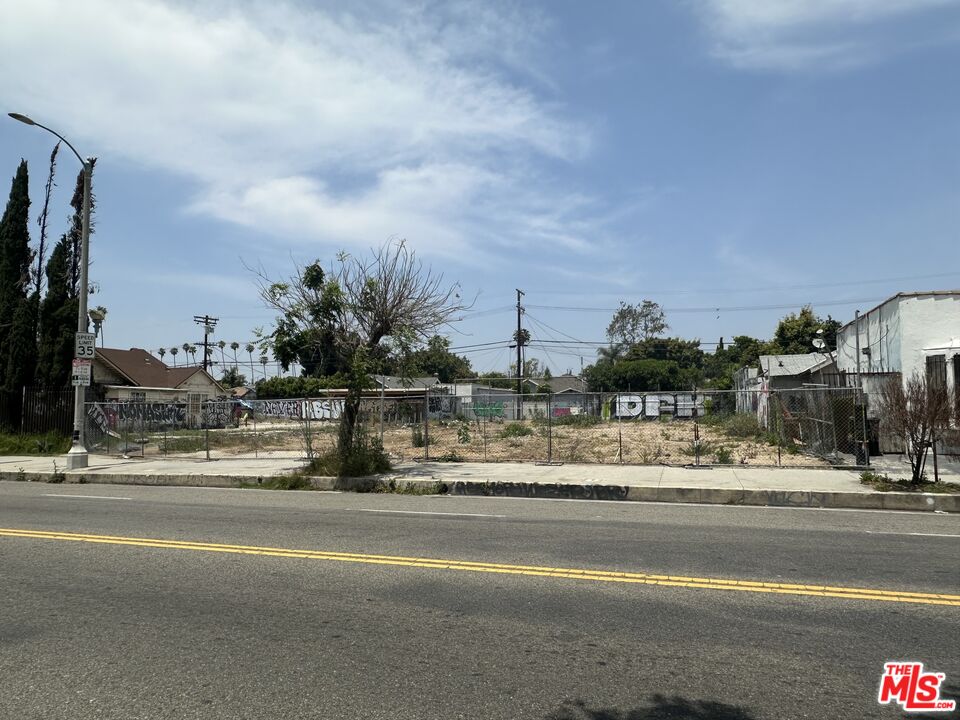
pixel 41 255
pixel 917 411
pixel 359 311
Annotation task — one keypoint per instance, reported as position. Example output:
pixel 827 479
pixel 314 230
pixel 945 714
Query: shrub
pixel 366 457
pixel 742 425
pixel 417 437
pixel 50 443
pixel 515 430
pixel 463 433
pixel 706 448
pixel 577 420
pixel 722 456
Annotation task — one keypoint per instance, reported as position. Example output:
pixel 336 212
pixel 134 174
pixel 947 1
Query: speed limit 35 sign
pixel 85 348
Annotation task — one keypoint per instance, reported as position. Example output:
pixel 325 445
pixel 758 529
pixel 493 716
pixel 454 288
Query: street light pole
pixel 77 456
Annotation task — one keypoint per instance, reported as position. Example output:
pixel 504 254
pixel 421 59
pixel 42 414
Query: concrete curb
pixel 928 502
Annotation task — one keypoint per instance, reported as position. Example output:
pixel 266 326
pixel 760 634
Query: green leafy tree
pixel 632 323
pixel 359 313
pixel 436 359
pixel 744 351
pixel 15 259
pixel 796 332
pixel 496 379
pixel 636 376
pixel 232 378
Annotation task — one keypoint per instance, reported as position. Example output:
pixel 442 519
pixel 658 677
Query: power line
pixel 779 288
pixel 735 308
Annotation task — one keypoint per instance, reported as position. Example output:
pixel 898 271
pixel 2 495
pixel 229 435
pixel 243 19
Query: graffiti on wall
pixel 298 409
pixel 488 410
pixel 680 405
pixel 110 416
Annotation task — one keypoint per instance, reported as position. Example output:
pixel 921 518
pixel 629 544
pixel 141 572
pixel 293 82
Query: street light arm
pixel 28 121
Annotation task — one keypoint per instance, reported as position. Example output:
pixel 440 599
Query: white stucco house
pixel 911 332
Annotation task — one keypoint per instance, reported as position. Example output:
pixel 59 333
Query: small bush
pixel 742 425
pixel 417 437
pixel 285 482
pixel 651 456
pixel 450 456
pixel 463 433
pixel 405 488
pixel 515 430
pixel 706 448
pixel 51 443
pixel 367 457
pixel 577 420
pixel 723 456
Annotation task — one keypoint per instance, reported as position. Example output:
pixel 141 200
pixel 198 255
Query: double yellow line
pixel 848 593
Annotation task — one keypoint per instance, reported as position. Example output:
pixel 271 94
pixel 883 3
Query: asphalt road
pixel 102 627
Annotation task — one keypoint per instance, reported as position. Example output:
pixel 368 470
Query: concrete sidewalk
pixel 729 484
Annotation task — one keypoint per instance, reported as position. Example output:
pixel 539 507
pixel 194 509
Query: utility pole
pixel 519 345
pixel 209 324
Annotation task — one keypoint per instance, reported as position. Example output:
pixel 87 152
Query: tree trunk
pixel 348 423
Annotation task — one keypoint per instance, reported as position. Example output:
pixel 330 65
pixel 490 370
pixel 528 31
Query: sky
pixel 731 160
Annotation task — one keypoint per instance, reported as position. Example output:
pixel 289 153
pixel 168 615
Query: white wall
pixel 930 321
pixel 880 331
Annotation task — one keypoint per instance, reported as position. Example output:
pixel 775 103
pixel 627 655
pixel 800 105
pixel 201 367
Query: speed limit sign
pixel 85 348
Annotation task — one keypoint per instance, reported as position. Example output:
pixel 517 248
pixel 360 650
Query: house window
pixel 195 401
pixel 956 381
pixel 937 372
pixel 137 396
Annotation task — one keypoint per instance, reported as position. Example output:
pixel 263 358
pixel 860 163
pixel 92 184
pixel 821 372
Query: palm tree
pixel 174 351
pixel 161 352
pixel 615 352
pixel 235 346
pixel 249 348
pixel 263 361
pixel 223 360
pixel 192 349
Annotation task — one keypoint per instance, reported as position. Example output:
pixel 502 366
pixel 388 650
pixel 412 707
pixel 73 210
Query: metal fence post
pixel 619 431
pixel 696 442
pixel 549 428
pixel 305 409
pixel 863 421
pixel 426 423
pixel 256 437
pixel 381 409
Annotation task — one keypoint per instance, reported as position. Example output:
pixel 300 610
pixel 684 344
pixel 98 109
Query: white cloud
pixel 805 34
pixel 317 125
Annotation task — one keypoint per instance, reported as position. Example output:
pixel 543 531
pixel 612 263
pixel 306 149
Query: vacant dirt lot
pixel 634 442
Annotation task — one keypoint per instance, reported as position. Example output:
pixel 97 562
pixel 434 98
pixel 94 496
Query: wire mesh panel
pixel 793 427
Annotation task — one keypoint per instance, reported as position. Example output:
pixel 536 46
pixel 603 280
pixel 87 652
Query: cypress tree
pixel 15 261
pixel 58 320
pixel 21 348
pixel 75 234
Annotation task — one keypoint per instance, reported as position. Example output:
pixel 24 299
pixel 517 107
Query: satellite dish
pixel 819 344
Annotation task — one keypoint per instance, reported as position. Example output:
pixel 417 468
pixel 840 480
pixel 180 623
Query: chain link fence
pixel 796 427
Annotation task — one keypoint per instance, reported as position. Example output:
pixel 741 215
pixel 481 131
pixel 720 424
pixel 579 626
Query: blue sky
pixel 710 155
